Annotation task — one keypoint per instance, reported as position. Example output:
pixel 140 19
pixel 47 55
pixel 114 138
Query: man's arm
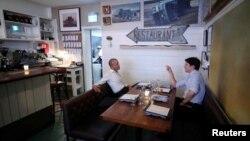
pixel 97 86
pixel 188 98
pixel 173 80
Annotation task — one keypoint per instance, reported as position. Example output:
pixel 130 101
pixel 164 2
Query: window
pixel 92 17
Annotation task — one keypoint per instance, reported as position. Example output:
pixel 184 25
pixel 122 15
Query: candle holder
pixel 26 67
pixel 147 93
pixel 26 72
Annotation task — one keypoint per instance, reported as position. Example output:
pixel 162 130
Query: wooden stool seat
pixel 58 82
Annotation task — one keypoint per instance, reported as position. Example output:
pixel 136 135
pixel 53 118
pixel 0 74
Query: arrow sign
pixel 173 34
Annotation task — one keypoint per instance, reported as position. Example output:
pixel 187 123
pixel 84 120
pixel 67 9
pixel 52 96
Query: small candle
pixel 147 92
pixel 26 67
pixel 26 72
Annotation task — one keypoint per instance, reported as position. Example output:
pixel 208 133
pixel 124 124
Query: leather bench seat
pixel 82 120
pixel 93 129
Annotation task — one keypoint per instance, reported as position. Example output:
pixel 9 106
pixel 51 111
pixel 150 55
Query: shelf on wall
pixel 181 47
pixel 46 31
pixel 26 40
pixel 22 27
pixel 24 24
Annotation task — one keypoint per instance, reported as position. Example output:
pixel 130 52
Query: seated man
pixel 114 80
pixel 194 93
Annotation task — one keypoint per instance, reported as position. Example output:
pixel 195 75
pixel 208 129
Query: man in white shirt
pixel 194 88
pixel 113 78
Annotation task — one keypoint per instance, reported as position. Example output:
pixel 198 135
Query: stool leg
pixel 66 91
pixel 53 98
pixel 59 95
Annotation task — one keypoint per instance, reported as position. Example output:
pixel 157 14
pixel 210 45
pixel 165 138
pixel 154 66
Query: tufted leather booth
pixel 81 116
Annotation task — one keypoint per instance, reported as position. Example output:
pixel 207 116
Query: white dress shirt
pixel 194 82
pixel 114 80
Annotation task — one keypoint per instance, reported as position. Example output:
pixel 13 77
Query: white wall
pixel 85 9
pixel 146 64
pixel 25 7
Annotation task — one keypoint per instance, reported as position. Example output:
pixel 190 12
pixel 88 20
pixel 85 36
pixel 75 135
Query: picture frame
pixel 130 12
pixel 106 9
pixel 169 13
pixel 106 20
pixel 69 19
pixel 205 60
pixel 205 38
pixel 209 37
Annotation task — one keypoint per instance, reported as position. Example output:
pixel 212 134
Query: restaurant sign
pixel 173 35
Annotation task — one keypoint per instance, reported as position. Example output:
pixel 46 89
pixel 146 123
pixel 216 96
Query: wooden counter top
pixel 67 66
pixel 20 74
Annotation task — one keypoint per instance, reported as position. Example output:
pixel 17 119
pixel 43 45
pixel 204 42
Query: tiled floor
pixel 53 133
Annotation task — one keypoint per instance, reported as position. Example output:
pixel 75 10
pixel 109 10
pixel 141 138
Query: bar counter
pixel 21 74
pixel 25 102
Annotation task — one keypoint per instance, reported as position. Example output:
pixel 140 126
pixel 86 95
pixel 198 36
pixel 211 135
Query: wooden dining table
pixel 134 115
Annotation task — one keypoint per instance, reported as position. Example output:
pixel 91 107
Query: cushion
pixel 106 90
pixel 93 129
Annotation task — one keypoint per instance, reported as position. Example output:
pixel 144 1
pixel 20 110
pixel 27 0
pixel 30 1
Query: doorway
pixel 92 56
pixel 96 41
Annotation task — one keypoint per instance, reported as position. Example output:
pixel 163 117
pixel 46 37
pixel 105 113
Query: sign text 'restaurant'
pixel 174 35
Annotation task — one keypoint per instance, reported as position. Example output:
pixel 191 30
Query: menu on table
pixel 156 110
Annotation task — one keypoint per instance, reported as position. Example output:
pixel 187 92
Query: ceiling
pixel 58 3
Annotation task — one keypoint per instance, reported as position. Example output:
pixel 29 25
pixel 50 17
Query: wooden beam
pixel 218 6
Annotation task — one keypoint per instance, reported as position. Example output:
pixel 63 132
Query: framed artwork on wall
pixel 69 19
pixel 106 20
pixel 106 9
pixel 205 38
pixel 126 12
pixel 170 12
pixel 209 38
pixel 205 60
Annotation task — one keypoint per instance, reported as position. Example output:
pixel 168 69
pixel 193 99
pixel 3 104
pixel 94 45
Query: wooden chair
pixel 58 82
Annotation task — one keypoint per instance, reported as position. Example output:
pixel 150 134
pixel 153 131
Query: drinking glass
pixel 141 95
pixel 149 84
pixel 158 83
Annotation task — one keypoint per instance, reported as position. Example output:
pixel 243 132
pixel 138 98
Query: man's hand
pixel 129 87
pixel 173 81
pixel 169 69
pixel 183 104
pixel 97 88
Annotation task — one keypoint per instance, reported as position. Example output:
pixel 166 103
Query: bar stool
pixel 58 82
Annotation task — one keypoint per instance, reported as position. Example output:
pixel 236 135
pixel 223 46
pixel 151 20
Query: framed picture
pixel 106 9
pixel 106 20
pixel 209 37
pixel 170 12
pixel 205 60
pixel 69 19
pixel 126 12
pixel 205 38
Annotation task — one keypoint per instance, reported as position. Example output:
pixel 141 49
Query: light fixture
pixel 109 38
